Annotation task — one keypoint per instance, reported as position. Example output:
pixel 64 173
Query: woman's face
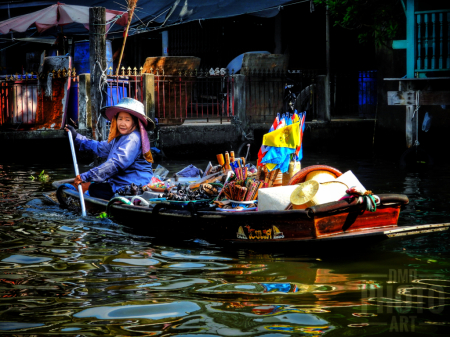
pixel 125 123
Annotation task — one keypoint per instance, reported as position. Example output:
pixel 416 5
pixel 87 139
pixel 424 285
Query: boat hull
pixel 328 224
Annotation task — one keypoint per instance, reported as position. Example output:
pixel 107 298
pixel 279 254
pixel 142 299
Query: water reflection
pixel 213 318
pixel 63 274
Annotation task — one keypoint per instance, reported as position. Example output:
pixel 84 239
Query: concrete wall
pixel 198 140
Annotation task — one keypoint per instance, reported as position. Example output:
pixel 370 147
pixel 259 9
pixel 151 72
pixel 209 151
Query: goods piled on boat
pixel 276 183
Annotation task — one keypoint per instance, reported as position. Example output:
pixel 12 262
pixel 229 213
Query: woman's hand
pixel 72 131
pixel 77 181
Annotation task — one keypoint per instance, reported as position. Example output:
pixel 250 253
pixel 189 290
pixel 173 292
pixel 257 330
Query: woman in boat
pixel 127 150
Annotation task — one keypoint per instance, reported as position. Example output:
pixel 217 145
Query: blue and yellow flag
pixel 288 136
pixel 283 142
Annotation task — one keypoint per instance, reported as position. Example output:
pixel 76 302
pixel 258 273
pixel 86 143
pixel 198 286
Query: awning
pixel 151 14
pixel 58 15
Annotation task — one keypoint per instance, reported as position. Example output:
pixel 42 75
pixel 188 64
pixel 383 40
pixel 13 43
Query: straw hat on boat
pixel 312 193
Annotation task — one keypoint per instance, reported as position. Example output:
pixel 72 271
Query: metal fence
pixel 264 93
pixel 367 93
pixel 205 94
pixel 193 95
pixel 119 87
pixel 268 93
pixel 305 85
pixel 19 99
pixel 198 94
pixel 344 94
pixel 354 94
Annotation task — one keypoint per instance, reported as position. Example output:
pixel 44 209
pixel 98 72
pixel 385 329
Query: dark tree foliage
pixel 374 20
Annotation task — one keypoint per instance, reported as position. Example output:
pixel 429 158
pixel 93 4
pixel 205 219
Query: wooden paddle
pixel 75 164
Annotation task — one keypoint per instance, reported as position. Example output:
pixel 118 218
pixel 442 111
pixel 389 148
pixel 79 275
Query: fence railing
pixel 264 96
pixel 305 84
pixel 354 94
pixel 193 97
pixel 433 40
pixel 193 94
pixel 207 95
pixel 267 93
pixel 126 86
pixel 29 100
pixel 198 94
pixel 367 93
pixel 19 102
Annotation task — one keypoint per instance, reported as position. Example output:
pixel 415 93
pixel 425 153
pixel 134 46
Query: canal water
pixel 64 275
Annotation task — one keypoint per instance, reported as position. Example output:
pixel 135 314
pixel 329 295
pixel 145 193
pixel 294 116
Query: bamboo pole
pixel 131 7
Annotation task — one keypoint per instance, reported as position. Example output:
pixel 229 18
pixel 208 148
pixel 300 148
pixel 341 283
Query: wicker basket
pixel 300 176
pixel 320 176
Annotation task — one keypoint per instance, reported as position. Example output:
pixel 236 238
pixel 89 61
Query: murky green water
pixel 64 275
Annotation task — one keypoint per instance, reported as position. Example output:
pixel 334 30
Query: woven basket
pixel 320 176
pixel 300 176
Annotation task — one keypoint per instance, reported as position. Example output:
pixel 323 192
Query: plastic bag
pixel 161 172
pixel 426 122
pixel 190 171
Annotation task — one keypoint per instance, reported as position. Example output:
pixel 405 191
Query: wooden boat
pixel 328 224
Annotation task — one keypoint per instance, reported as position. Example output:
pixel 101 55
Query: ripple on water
pixel 263 288
pixel 194 265
pixel 25 259
pixel 179 283
pixel 137 262
pixel 156 312
pixel 10 326
pixel 181 256
pixel 55 263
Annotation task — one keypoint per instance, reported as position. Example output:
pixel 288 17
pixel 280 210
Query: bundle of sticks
pixel 239 190
pixel 269 177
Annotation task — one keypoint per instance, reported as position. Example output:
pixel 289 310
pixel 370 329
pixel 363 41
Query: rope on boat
pixel 115 199
pixel 371 201
pixel 368 198
pixel 371 204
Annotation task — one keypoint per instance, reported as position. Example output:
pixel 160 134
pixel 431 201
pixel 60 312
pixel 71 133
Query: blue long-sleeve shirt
pixel 124 165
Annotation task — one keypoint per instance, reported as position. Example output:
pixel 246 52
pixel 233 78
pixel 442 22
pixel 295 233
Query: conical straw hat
pixel 311 193
pixel 304 192
pixel 320 176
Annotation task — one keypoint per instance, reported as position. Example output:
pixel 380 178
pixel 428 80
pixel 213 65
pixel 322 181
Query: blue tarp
pixel 169 12
pixel 190 171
